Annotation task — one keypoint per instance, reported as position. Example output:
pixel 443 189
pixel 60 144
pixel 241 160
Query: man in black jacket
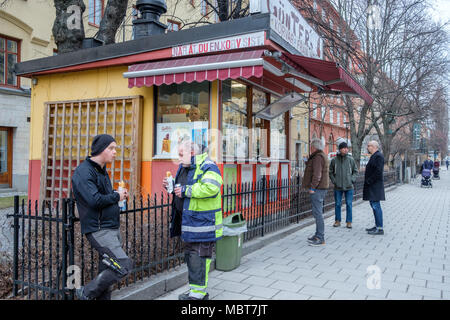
pixel 373 190
pixel 99 212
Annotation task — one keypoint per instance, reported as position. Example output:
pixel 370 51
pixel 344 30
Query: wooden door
pixel 5 157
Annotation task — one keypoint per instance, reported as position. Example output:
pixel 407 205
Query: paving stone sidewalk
pixel 413 256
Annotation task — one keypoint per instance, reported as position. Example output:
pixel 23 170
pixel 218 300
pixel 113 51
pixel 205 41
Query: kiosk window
pixel 234 125
pixel 183 109
pixel 260 149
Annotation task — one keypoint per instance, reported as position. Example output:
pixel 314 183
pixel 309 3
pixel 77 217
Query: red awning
pixel 235 65
pixel 326 74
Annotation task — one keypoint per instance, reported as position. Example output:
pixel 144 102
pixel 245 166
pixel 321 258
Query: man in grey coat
pixel 343 172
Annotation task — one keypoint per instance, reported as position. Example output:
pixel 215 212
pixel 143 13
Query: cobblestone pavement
pixel 413 256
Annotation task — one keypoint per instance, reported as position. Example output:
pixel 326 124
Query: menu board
pixel 168 136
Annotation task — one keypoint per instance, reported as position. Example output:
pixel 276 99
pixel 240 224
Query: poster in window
pixel 169 135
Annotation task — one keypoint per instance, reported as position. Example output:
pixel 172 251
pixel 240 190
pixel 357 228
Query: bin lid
pixel 234 220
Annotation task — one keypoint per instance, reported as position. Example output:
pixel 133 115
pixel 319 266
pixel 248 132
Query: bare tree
pixel 115 13
pixel 395 54
pixel 68 28
pixel 224 9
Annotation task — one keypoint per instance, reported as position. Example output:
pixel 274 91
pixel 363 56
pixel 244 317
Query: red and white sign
pixel 290 25
pixel 238 42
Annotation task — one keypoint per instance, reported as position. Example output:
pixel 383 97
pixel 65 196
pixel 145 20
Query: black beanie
pixel 343 145
pixel 100 143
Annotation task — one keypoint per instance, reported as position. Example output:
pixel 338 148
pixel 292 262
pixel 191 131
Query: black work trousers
pixel 107 241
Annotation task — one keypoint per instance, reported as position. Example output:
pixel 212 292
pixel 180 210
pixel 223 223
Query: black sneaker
pixel 80 294
pixel 186 296
pixel 376 232
pixel 312 238
pixel 317 242
pixel 371 229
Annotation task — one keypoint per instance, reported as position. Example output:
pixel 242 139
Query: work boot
pixel 337 224
pixel 186 296
pixel 349 225
pixel 80 294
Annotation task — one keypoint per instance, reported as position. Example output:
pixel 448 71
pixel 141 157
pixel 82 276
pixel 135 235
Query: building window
pixel 331 115
pixel 173 25
pixel 9 55
pixel 298 125
pixel 204 8
pixel 322 110
pixel 345 118
pixel 306 123
pixel 330 144
pixel 314 110
pixel 95 12
pixel 182 109
pixel 338 118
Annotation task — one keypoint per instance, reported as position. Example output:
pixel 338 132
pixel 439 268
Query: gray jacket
pixel 343 172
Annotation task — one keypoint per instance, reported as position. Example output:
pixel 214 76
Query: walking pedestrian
pixel 373 190
pixel 196 213
pixel 315 180
pixel 99 212
pixel 342 173
pixel 447 163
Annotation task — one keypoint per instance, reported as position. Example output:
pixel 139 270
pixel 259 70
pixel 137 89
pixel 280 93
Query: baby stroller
pixel 426 179
pixel 436 171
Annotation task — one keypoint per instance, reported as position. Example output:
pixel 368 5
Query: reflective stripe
pixel 201 229
pixel 188 192
pixel 212 181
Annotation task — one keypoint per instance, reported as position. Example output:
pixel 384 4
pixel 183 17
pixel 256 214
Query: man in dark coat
pixel 99 212
pixel 373 190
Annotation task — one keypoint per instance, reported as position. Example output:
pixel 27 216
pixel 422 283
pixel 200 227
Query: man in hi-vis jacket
pixel 196 213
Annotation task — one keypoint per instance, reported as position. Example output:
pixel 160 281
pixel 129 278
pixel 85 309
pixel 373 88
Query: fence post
pixel 299 189
pixel 264 191
pixel 71 240
pixel 64 247
pixel 16 245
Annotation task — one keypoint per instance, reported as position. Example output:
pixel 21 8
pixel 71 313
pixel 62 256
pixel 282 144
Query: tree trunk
pixel 115 12
pixel 68 29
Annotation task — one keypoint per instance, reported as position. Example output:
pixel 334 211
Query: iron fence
pixel 51 257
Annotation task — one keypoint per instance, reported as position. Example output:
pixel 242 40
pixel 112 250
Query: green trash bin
pixel 229 247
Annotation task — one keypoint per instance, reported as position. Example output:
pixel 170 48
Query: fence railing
pixel 51 257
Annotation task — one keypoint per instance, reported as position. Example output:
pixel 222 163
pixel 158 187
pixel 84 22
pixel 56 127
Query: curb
pixel 168 281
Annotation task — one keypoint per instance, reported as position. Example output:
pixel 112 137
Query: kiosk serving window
pixel 278 135
pixel 234 125
pixel 259 125
pixel 182 109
